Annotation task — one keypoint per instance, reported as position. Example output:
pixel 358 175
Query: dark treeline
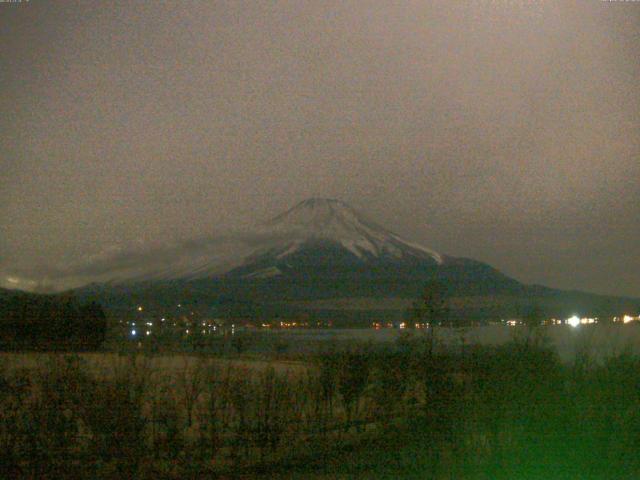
pixel 407 411
pixel 43 322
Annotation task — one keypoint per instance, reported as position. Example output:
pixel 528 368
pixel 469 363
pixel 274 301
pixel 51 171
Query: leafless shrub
pixel 353 373
pixel 215 414
pixel 190 381
pixel 114 413
pixel 54 414
pixel 240 396
pixel 167 434
pixel 15 390
pixel 273 399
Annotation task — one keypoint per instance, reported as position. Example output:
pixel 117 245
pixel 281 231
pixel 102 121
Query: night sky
pixel 505 131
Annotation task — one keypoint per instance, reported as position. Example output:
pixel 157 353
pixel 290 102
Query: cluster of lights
pixel 282 324
pixel 134 332
pixel 403 325
pixel 575 321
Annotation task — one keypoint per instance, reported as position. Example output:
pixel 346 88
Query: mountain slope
pixel 326 249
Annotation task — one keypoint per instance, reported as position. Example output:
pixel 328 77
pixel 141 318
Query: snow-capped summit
pixel 317 215
pixel 330 220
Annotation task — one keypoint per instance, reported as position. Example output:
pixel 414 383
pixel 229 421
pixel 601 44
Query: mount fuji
pixel 330 233
pixel 320 258
pixel 319 252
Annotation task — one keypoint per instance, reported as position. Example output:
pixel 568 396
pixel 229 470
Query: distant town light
pixel 148 332
pixel 140 308
pixel 573 321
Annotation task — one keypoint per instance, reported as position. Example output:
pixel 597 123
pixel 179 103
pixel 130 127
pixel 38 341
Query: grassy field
pixel 108 363
pixel 385 410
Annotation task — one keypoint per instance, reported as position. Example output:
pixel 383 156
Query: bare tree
pixel 215 418
pixel 167 427
pixel 241 391
pixel 273 400
pixel 432 310
pixel 190 381
pixel 352 380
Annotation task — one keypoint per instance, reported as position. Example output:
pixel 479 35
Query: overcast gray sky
pixel 506 131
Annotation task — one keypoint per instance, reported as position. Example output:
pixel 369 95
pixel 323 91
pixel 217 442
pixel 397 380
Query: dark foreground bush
pixel 30 321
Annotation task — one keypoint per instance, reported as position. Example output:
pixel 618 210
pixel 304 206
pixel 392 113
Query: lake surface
pixel 598 341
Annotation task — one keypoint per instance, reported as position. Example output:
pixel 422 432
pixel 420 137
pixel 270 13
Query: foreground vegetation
pixel 388 411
